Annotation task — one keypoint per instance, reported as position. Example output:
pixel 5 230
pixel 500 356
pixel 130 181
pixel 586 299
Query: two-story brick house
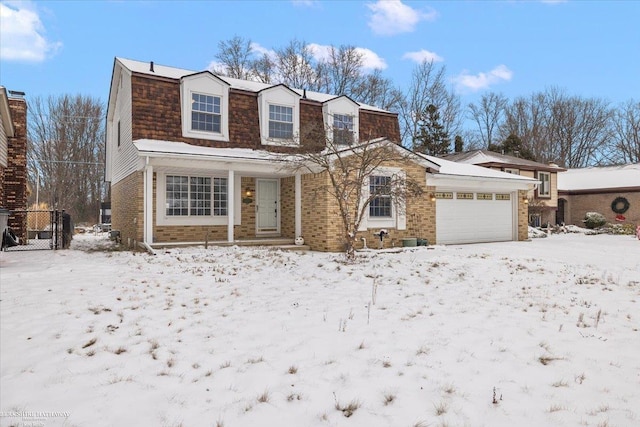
pixel 542 200
pixel 192 156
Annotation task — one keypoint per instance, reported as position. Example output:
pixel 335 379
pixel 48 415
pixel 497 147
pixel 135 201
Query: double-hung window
pixel 206 115
pixel 342 129
pixel 544 190
pixel 280 122
pixel 380 191
pixel 195 196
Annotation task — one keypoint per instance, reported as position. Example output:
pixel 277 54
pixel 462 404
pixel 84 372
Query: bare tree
pixel 295 66
pixel 235 57
pixel 428 87
pixel 66 153
pixel 348 171
pixel 569 130
pixel 488 115
pixel 626 133
pixel 341 70
pixel 263 69
pixel 376 90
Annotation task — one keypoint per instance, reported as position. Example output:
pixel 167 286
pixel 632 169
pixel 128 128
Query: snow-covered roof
pixel 598 178
pixel 156 147
pixel 251 86
pixel 486 157
pixel 448 167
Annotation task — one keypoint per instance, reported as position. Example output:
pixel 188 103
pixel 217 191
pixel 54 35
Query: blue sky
pixel 589 48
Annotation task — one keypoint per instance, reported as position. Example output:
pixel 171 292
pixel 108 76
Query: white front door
pixel 267 209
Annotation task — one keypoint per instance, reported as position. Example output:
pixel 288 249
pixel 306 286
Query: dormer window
pixel 280 122
pixel 341 120
pixel 206 113
pixel 343 129
pixel 205 107
pixel 279 111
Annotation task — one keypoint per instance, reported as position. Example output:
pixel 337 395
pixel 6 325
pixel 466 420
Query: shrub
pixel 594 220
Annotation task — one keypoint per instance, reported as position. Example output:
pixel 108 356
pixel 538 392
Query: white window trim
pixel 345 107
pixel 397 220
pixel 284 97
pixel 546 195
pixel 161 199
pixel 205 84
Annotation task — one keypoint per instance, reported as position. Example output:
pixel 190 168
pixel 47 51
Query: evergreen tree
pixel 431 139
pixel 458 144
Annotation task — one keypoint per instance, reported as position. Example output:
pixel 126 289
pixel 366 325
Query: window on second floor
pixel 380 205
pixel 206 114
pixel 544 188
pixel 343 129
pixel 205 107
pixel 280 122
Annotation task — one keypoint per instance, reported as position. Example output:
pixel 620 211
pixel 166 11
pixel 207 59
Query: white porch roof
pixel 174 154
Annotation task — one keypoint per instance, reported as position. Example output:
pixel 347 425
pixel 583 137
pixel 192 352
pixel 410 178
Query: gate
pixel 37 230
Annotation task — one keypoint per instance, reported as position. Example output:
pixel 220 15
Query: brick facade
pixel 127 208
pixel 322 225
pixel 579 204
pixel 14 195
pixel 523 216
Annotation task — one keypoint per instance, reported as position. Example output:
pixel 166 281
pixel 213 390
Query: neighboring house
pixel 613 191
pixel 192 156
pixel 543 200
pixel 13 158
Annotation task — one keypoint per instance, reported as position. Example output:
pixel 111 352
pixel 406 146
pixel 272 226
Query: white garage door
pixel 471 217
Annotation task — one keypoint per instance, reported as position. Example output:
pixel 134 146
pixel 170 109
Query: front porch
pixel 271 242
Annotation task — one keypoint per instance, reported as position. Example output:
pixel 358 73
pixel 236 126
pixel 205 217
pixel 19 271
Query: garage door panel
pixel 471 221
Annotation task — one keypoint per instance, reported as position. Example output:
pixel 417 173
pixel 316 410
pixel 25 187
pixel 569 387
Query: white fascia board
pixel 469 182
pixel 250 166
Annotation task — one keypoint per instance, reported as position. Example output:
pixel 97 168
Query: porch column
pixel 231 194
pixel 298 205
pixel 147 233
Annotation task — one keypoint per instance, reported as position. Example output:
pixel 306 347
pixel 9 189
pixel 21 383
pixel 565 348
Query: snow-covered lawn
pixel 259 337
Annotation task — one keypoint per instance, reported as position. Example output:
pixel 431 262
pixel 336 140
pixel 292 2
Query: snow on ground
pixel 260 337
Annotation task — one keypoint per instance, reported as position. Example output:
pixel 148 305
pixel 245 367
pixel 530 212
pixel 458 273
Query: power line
pixel 70 162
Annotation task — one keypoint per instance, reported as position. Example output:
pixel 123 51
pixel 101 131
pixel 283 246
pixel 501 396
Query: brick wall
pixel 287 207
pixel 523 216
pixel 15 174
pixel 127 202
pixel 579 204
pixel 322 223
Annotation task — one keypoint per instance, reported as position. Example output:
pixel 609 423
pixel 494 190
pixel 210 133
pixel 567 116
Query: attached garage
pixel 476 204
pixel 470 217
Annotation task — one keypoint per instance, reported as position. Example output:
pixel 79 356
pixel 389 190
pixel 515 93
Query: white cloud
pixel 423 55
pixel 393 17
pixel 466 81
pixel 22 34
pixel 370 59
pixel 261 50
